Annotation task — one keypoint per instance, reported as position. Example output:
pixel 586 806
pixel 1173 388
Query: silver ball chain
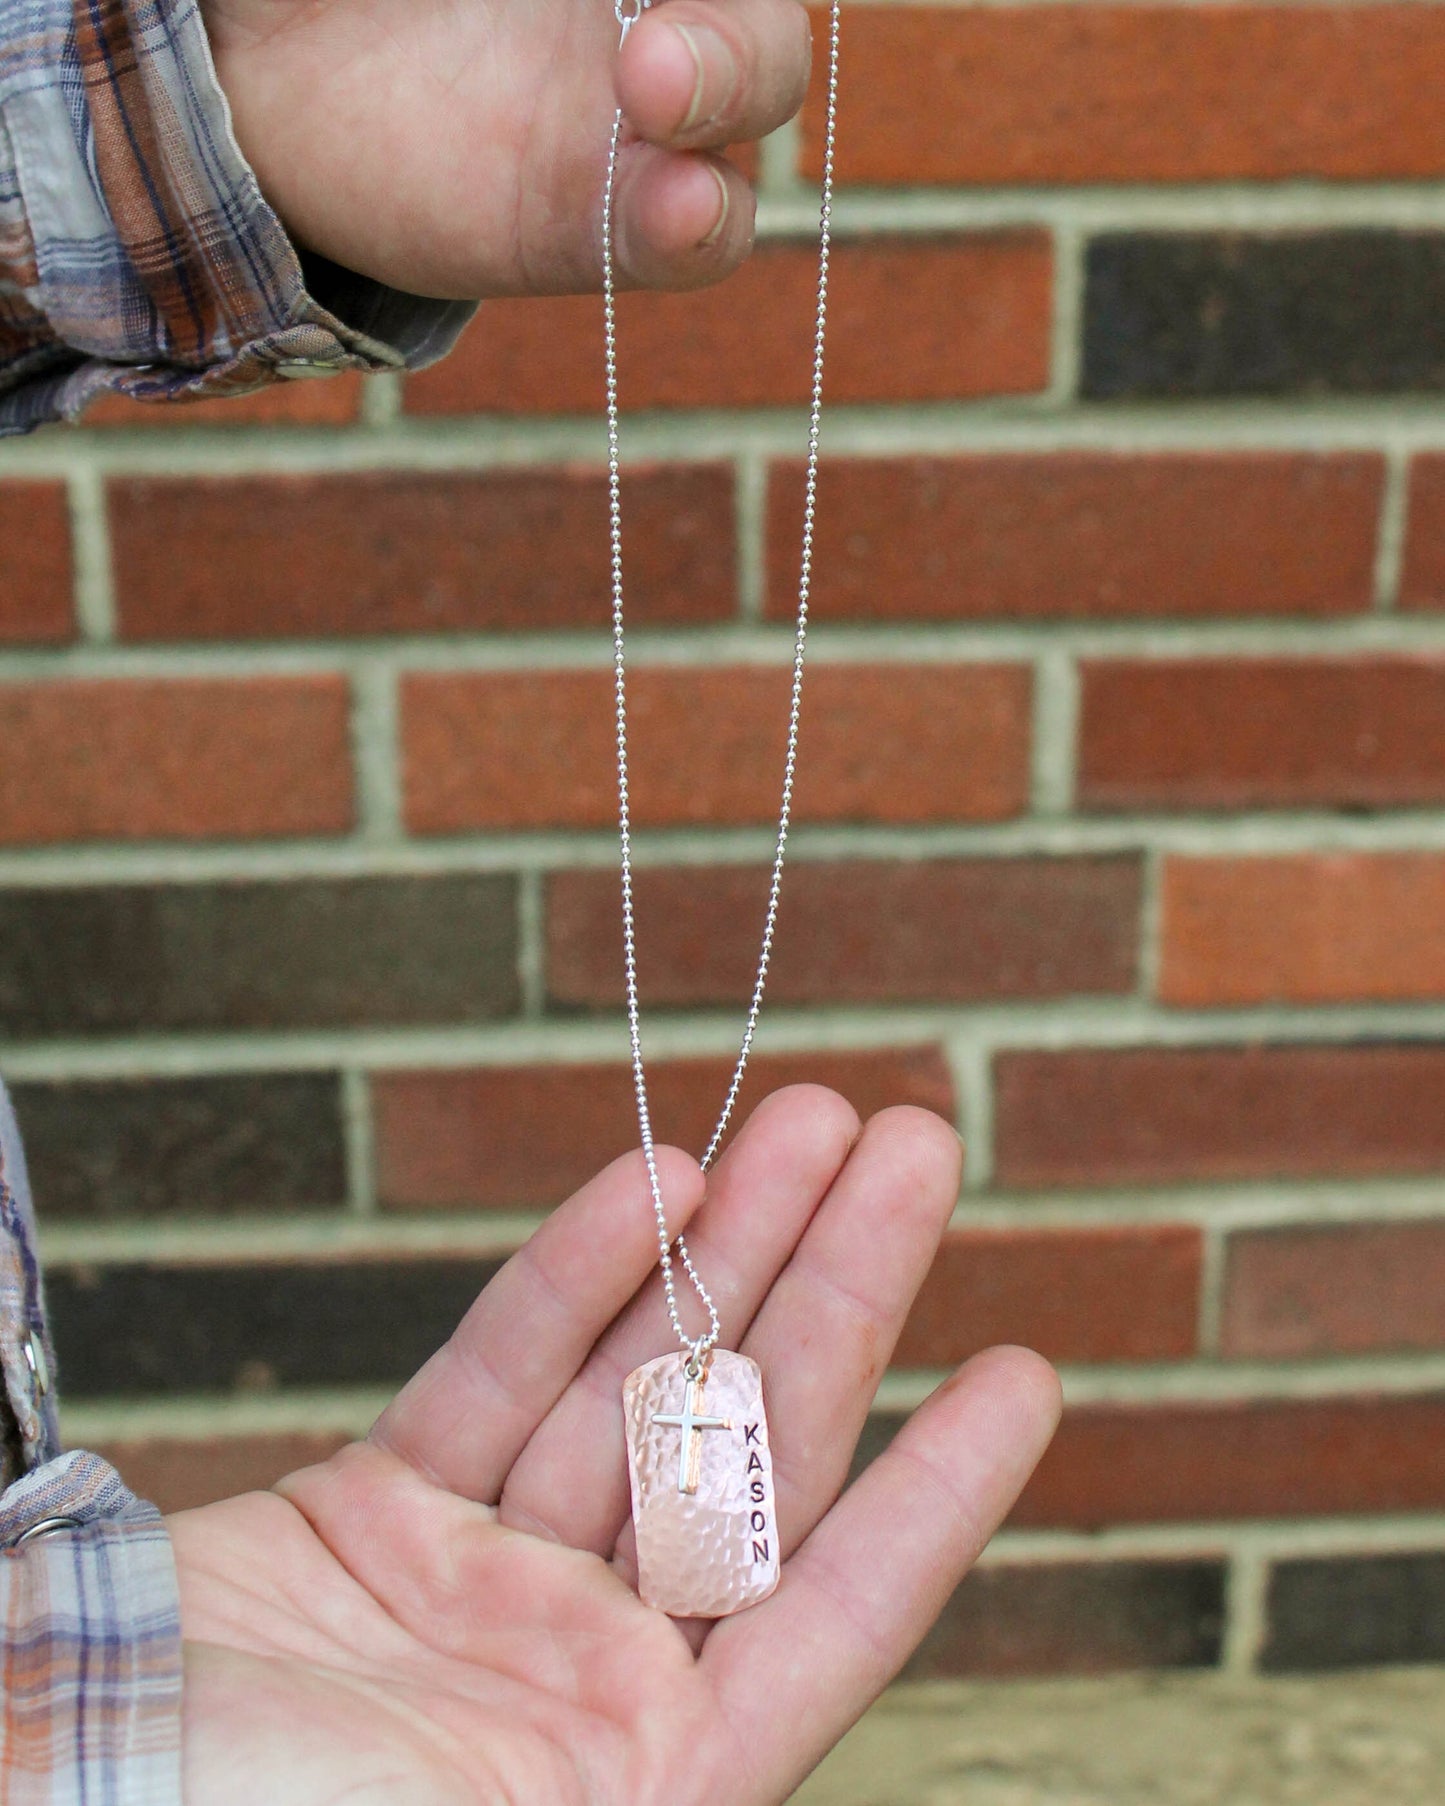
pixel 628 12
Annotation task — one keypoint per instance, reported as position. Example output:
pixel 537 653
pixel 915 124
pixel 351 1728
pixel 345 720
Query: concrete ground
pixel 1373 1738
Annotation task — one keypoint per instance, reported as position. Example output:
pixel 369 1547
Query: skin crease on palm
pixel 444 1614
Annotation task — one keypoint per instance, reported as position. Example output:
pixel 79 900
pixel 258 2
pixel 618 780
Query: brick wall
pixel 1122 814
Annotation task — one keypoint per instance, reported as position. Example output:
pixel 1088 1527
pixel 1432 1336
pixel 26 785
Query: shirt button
pixel 46 1527
pixel 36 1362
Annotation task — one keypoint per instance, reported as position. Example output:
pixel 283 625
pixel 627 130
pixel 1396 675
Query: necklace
pixel 697 1433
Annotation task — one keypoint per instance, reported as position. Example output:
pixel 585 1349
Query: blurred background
pixel 1121 842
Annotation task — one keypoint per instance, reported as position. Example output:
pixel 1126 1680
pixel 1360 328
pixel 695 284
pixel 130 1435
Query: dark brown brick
pixel 175 759
pixel 1355 1611
pixel 968 315
pixel 1340 733
pixel 178 1473
pixel 1095 1617
pixel 1144 1115
pixel 1177 1462
pixel 522 1138
pixel 395 552
pixel 184 1147
pixel 1114 1294
pixel 887 742
pixel 131 1330
pixel 1081 535
pixel 1292 313
pixel 926 931
pixel 1331 1289
pixel 35 572
pixel 1148 93
pixel 308 953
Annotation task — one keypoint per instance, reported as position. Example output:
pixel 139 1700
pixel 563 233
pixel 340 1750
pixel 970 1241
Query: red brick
pixel 1145 1115
pixel 35 575
pixel 332 401
pixel 928 931
pixel 1422 578
pixel 1357 732
pixel 1262 1458
pixel 184 759
pixel 1340 1288
pixel 523 1138
pixel 894 743
pixel 1303 928
pixel 1100 93
pixel 1115 1294
pixel 910 319
pixel 180 1472
pixel 1081 535
pixel 394 552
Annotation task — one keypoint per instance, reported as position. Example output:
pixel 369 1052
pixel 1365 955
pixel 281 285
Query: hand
pixel 459 149
pixel 443 1615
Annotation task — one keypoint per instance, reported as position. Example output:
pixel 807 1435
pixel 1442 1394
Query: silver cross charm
pixel 689 1466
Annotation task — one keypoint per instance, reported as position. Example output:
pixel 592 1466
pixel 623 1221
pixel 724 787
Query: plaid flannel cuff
pixel 90 1708
pixel 137 252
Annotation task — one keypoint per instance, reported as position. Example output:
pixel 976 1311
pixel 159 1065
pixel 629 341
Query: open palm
pixel 444 1612
pixel 457 147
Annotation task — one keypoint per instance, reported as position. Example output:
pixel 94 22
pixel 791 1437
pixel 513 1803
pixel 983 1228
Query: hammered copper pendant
pixel 702 1485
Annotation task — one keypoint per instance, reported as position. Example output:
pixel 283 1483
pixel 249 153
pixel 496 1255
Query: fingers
pixel 702 74
pixel 571 1481
pixel 695 76
pixel 829 1326
pixel 684 219
pixel 827 1329
pixel 464 1417
pixel 793 1673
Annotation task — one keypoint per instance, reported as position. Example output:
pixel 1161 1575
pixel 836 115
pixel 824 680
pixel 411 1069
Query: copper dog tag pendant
pixel 702 1484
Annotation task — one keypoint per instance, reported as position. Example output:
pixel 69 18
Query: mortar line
pixel 1100 1024
pixel 94 594
pixel 1219 1209
pixel 1066 347
pixel 1246 1611
pixel 381 399
pixel 1314 207
pixel 1268 1538
pixel 751 480
pixel 1390 549
pixel 481 443
pixel 1056 704
pixel 376 750
pixel 490 1230
pixel 324 1239
pixel 352 1410
pixel 1181 1385
pixel 749 643
pixel 359 1141
pixel 778 161
pixel 531 945
pixel 1182 1389
pixel 1213 1254
pixel 1151 923
pixel 971 1063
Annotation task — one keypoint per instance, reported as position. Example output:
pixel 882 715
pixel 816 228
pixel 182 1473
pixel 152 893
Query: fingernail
pixel 714 74
pixel 715 233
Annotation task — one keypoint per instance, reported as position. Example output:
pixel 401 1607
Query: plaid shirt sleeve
pixel 90 1692
pixel 136 250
